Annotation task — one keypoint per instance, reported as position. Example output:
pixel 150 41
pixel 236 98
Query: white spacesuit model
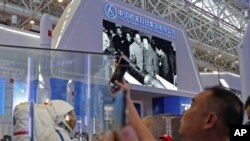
pixel 22 124
pixel 51 122
pixel 64 120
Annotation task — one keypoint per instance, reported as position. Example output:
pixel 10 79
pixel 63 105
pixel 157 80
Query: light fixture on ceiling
pixel 60 1
pixel 32 21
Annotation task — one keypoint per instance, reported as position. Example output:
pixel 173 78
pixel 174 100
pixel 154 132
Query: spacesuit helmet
pixel 62 113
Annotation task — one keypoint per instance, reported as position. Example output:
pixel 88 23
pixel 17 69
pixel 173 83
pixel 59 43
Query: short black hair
pixel 135 32
pixel 247 103
pixel 145 37
pixel 230 107
pixel 118 27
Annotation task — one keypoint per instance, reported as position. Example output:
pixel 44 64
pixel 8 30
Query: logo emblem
pixel 110 11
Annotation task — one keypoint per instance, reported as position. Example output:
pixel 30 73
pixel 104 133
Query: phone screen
pixel 119 71
pixel 120 110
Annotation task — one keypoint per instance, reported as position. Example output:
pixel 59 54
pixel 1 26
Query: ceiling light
pixel 60 1
pixel 219 55
pixel 32 22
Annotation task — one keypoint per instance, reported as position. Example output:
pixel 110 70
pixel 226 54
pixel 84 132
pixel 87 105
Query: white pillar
pixel 244 56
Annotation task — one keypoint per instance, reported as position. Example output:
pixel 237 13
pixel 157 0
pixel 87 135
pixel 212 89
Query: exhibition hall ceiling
pixel 214 27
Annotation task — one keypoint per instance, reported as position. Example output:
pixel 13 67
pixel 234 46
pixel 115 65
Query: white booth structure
pixel 75 61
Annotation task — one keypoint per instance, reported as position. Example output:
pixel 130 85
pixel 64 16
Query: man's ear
pixel 210 120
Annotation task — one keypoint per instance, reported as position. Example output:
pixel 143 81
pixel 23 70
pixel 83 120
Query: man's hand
pixel 134 120
pixel 126 134
pixel 122 85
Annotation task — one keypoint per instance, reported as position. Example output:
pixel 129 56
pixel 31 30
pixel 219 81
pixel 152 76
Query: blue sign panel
pixel 79 99
pixel 33 90
pixel 58 89
pixel 171 105
pixel 114 12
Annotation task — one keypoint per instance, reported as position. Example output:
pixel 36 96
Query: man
pixel 247 108
pixel 211 113
pixel 163 62
pixel 136 51
pixel 172 64
pixel 126 44
pixel 105 41
pixel 150 59
pixel 118 40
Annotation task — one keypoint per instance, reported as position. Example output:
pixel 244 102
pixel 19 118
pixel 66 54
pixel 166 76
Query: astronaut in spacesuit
pixel 64 121
pixel 53 121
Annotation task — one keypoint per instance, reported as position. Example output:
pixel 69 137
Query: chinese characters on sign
pixel 139 21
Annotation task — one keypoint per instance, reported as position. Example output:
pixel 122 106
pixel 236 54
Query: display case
pixel 38 76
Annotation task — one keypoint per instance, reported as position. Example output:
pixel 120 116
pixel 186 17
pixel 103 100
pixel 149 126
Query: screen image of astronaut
pixel 152 59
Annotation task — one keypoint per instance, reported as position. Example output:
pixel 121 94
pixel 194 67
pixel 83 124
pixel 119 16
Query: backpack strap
pixel 60 135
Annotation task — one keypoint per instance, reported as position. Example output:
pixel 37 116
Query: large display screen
pixel 152 59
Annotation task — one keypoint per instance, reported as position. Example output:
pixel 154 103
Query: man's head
pixel 153 42
pixel 128 37
pixel 62 113
pixel 247 107
pixel 145 41
pixel 211 113
pixel 137 38
pixel 111 31
pixel 158 51
pixel 118 31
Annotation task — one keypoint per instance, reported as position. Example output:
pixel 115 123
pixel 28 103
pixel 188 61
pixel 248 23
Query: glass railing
pixel 39 77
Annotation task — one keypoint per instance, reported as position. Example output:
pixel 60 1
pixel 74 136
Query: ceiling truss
pixel 213 26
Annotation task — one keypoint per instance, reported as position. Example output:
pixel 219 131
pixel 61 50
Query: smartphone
pixel 120 69
pixel 119 110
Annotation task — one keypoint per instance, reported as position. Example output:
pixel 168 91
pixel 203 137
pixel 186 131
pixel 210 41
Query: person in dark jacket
pixel 126 44
pixel 163 58
pixel 208 117
pixel 118 39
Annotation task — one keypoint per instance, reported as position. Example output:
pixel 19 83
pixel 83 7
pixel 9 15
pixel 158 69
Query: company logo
pixel 239 132
pixel 110 11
